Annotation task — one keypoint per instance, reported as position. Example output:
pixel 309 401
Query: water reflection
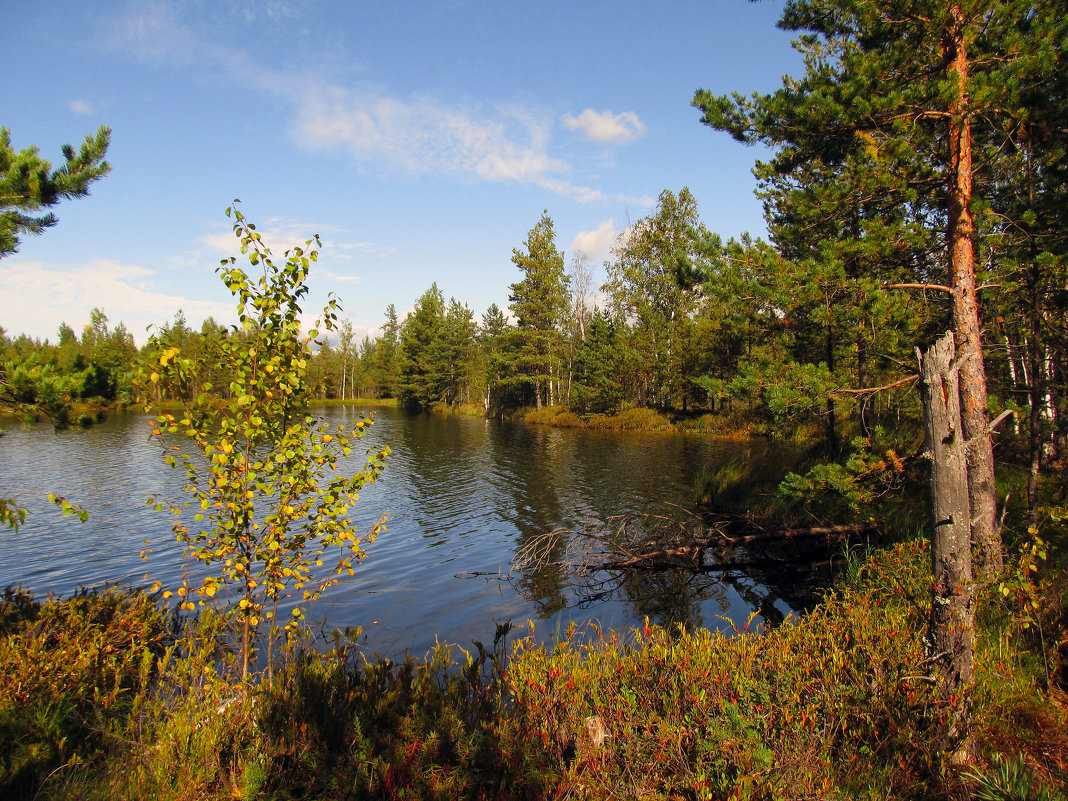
pixel 463 495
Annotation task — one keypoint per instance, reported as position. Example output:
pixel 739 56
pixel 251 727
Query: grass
pixel 459 409
pixel 355 402
pixel 105 695
pixel 635 419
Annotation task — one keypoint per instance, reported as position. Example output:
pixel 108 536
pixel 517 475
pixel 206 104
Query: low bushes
pixel 831 702
pixel 105 696
pixel 636 419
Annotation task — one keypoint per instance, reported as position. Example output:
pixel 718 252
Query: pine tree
pixel 28 184
pixel 878 136
pixel 540 304
pixel 881 154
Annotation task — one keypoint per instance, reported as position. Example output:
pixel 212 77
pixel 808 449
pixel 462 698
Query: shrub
pixel 636 419
pixel 68 671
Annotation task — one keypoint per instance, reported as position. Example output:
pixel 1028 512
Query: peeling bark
pixel 960 231
pixel 950 640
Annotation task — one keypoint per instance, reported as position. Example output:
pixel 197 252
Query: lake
pixel 463 495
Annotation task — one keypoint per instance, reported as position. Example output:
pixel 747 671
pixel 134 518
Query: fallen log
pixel 829 532
pixel 695 550
pixel 714 567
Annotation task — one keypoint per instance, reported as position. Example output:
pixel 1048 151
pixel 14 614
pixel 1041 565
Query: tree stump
pixel 950 640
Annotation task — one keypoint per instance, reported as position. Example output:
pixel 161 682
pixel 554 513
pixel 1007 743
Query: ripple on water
pixel 462 495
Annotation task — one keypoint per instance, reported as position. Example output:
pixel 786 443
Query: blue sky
pixel 420 140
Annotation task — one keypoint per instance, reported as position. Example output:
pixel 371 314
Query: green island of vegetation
pixel 916 186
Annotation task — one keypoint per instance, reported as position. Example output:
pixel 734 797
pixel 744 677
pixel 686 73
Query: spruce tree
pixel 423 373
pixel 653 280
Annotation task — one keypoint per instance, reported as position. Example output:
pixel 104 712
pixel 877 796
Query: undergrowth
pixel 104 695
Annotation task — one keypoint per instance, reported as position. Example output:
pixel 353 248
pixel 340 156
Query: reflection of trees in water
pixel 535 479
pixel 544 588
pixel 668 597
pixel 668 568
pixel 528 461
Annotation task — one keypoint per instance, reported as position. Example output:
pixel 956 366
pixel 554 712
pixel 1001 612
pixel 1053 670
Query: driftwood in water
pixel 696 558
pixel 714 567
pixel 661 558
pixel 653 542
pixel 829 533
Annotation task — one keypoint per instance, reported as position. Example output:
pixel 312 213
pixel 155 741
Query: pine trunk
pixel 986 536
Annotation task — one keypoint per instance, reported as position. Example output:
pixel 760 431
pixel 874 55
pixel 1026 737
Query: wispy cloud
pixel 338 277
pixel 423 135
pixel 49 296
pixel 80 107
pixel 606 128
pixel 277 234
pixel 368 248
pixel 282 235
pixel 153 33
pixel 378 129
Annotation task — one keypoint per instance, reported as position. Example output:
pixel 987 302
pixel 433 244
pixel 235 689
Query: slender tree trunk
pixel 986 536
pixel 832 422
pixel 950 640
pixel 1036 394
pixel 1037 383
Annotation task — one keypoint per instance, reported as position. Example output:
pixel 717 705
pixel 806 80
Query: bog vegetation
pixel 106 695
pixel 915 185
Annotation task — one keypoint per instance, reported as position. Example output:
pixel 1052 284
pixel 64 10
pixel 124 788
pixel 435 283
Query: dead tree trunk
pixel 950 640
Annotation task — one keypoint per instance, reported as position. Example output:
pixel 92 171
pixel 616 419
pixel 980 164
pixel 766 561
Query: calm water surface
pixel 462 495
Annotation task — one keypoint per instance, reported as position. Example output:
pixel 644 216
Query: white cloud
pixel 328 275
pixel 422 135
pixel 282 235
pixel 49 296
pixel 278 235
pixel 418 134
pixel 606 128
pixel 596 244
pixel 80 107
pixel 369 248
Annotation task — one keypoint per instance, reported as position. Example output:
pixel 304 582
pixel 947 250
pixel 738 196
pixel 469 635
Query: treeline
pixel 96 367
pixel 775 334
